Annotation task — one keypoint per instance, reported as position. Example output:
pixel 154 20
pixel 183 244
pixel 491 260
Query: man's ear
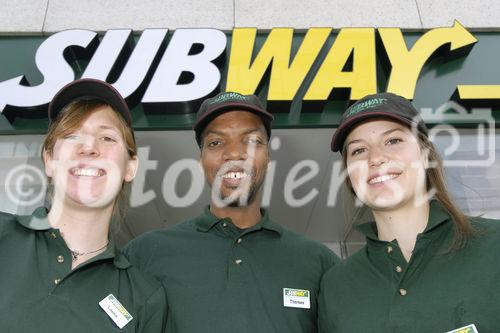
pixel 131 170
pixel 48 163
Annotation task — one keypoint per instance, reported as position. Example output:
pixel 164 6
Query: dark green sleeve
pixel 6 221
pixel 330 259
pixel 324 319
pixel 137 254
pixel 153 314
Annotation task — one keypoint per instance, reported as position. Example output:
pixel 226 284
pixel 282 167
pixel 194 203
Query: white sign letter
pixel 164 86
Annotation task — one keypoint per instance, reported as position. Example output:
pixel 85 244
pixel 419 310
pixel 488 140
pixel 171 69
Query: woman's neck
pixel 402 224
pixel 83 229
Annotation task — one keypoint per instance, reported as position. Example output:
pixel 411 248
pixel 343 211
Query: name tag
pixel 466 329
pixel 296 298
pixel 115 311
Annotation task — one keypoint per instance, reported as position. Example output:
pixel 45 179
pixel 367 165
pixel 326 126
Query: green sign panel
pixel 306 79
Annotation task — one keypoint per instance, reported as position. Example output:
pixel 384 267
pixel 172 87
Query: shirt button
pixel 398 269
pixel 389 249
pixel 56 281
pixel 402 292
pixel 53 234
pixel 60 259
pixel 239 240
pixel 238 261
pixel 224 224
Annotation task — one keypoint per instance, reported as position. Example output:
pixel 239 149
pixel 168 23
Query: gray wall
pixel 45 17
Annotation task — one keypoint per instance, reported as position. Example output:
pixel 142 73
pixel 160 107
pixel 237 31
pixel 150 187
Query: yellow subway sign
pixel 306 78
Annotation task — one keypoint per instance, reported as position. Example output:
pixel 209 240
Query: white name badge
pixel 466 329
pixel 296 298
pixel 115 311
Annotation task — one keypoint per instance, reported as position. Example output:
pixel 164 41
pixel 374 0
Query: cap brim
pixel 345 128
pixel 86 89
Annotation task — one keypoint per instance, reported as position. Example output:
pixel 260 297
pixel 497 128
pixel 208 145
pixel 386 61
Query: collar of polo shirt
pixel 207 221
pixel 438 215
pixel 38 221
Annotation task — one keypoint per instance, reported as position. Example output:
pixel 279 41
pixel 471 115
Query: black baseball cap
pixel 83 89
pixel 381 105
pixel 224 102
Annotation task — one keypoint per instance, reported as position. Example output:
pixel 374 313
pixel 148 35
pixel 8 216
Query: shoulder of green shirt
pixel 7 217
pixel 489 223
pixel 141 249
pixel 154 295
pixel 326 254
pixel 7 221
pixel 345 267
pixel 486 229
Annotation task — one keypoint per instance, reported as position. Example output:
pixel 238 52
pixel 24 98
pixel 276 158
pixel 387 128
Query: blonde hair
pixel 70 119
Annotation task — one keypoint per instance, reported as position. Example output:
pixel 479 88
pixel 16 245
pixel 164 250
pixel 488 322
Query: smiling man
pixel 232 269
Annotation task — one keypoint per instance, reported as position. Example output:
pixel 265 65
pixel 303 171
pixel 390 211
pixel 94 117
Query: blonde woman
pixel 426 266
pixel 62 271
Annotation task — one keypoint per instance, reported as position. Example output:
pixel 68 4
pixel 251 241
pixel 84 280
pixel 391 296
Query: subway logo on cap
pixel 368 104
pixel 230 96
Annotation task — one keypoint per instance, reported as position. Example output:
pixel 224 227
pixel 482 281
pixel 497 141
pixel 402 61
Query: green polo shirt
pixel 223 279
pixel 376 290
pixel 40 293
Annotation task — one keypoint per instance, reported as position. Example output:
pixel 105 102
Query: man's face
pixel 234 157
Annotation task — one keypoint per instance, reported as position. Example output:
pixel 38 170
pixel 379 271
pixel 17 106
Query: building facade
pixel 344 50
